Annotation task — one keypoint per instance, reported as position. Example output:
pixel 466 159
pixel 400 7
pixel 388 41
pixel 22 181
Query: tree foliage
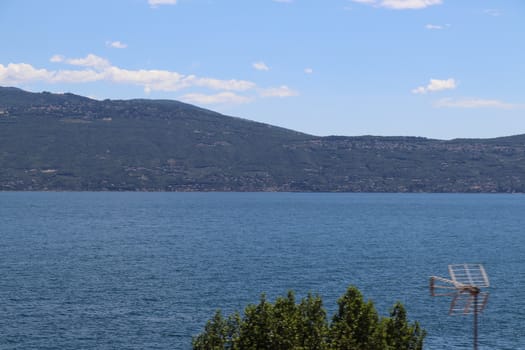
pixel 355 325
pixel 288 325
pixel 399 334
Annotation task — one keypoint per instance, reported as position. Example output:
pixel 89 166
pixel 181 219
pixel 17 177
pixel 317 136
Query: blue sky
pixel 434 68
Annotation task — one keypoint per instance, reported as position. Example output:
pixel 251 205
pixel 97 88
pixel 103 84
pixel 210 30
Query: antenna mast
pixel 464 285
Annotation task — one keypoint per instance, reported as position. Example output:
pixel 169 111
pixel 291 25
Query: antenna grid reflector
pixel 469 275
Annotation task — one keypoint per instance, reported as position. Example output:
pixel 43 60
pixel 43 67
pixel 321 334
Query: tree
pixel 219 333
pixel 288 325
pixel 355 325
pixel 256 329
pixel 313 326
pixel 284 325
pixel 399 333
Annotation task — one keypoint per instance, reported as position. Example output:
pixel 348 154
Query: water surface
pixel 146 270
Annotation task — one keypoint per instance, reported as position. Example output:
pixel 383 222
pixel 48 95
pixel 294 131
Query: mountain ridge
pixel 70 142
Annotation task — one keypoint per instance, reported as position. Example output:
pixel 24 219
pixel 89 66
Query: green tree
pixel 355 325
pixel 219 333
pixel 313 326
pixel 214 336
pixel 399 334
pixel 286 319
pixel 256 330
pixel 286 325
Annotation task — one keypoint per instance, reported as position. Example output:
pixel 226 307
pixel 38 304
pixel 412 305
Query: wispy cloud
pixel 93 68
pixel 116 44
pixel 220 98
pixel 74 76
pixel 436 85
pixel 100 69
pixel 492 12
pixel 88 61
pixel 284 1
pixel 56 58
pixel 437 26
pixel 308 70
pixel 433 27
pixel 475 103
pixel 156 3
pixel 260 66
pixel 401 4
pixel 282 91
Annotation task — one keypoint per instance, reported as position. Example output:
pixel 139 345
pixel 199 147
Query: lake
pixel 146 270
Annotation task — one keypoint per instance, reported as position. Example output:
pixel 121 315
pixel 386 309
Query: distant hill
pixel 69 142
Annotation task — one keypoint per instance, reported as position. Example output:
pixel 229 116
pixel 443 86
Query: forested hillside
pixel 68 142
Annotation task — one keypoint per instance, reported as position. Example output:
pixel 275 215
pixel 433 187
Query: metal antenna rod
pixel 464 285
pixel 476 320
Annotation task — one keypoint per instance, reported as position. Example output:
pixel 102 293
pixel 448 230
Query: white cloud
pixel 282 91
pixel 116 44
pixel 260 66
pixel 88 61
pixel 474 103
pixel 56 58
pixel 437 26
pixel 76 76
pixel 220 98
pixel 94 68
pixel 401 4
pixel 284 1
pixel 433 27
pixel 409 4
pixel 162 80
pixel 154 79
pixel 492 12
pixel 308 70
pixel 16 73
pixel 436 85
pixel 217 84
pixel 156 3
pixel 100 69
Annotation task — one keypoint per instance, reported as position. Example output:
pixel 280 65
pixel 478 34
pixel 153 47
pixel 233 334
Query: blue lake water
pixel 146 270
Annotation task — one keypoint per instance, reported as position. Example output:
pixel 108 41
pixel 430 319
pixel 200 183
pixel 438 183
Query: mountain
pixel 69 142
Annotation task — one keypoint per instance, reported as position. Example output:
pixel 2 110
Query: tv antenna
pixel 464 285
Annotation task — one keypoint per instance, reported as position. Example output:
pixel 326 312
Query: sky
pixel 433 68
